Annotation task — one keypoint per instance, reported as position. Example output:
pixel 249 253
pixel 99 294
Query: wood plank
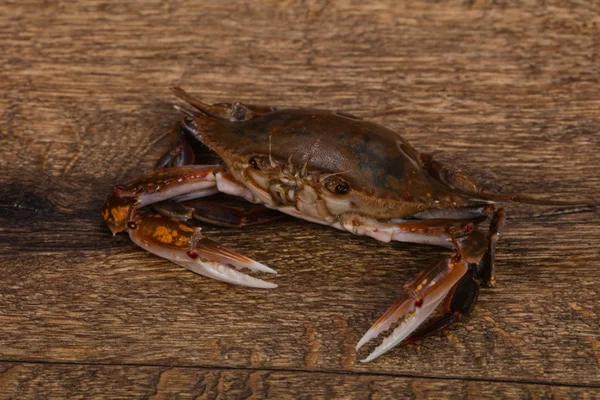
pixel 29 380
pixel 510 93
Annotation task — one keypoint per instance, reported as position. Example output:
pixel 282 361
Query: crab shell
pixel 318 165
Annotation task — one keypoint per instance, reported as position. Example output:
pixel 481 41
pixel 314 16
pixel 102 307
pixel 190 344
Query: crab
pixel 325 167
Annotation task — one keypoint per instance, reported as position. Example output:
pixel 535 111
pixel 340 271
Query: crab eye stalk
pixel 337 185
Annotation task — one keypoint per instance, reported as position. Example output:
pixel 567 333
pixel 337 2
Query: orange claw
pixel 183 244
pixel 175 240
pixel 117 210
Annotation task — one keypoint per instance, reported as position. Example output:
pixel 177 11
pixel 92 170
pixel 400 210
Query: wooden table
pixel 509 91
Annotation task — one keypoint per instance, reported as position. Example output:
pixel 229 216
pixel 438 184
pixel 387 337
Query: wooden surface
pixel 509 91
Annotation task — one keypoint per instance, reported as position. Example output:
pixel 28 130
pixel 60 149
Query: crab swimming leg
pixel 455 278
pixel 175 240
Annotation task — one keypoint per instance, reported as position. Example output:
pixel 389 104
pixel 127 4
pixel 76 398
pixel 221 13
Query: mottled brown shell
pixel 374 160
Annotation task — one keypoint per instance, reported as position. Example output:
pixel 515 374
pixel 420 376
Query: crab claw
pixel 212 260
pixel 422 295
pixel 184 245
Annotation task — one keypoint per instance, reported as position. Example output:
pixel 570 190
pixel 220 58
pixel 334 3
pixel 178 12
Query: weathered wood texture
pixel 509 91
pixel 123 382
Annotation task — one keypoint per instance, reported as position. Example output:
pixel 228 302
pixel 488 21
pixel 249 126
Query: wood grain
pixel 509 91
pixel 132 382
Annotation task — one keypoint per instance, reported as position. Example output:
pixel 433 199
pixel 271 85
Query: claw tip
pixel 263 268
pixel 361 343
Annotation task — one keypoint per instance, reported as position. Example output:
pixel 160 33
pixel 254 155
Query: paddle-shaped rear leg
pixel 176 240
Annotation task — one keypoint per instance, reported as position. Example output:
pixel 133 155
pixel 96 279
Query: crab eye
pixel 253 163
pixel 337 185
pixel 342 188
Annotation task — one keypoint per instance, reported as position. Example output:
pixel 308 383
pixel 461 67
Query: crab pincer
pixel 453 281
pixel 184 244
pixel 176 240
pixel 422 296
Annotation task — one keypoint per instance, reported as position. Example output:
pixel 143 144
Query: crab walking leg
pixel 218 214
pixel 486 268
pixel 183 244
pixel 437 232
pixel 421 297
pixel 180 152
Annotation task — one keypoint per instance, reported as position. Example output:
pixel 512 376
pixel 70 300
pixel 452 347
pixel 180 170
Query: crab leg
pixel 218 214
pixel 463 295
pixel 121 205
pixel 175 240
pixel 456 278
pixel 183 244
pixel 486 269
pixel 421 297
pixel 457 304
pixel 428 231
pixel 181 152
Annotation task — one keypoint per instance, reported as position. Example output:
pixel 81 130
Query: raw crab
pixel 325 167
